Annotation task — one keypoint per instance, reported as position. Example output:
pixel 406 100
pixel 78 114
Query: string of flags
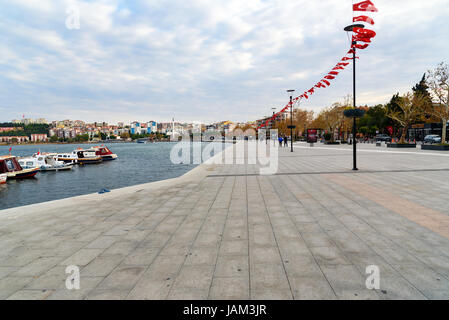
pixel 359 35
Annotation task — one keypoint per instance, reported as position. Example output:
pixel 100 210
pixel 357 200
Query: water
pixel 136 164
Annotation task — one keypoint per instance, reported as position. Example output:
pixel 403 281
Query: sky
pixel 203 60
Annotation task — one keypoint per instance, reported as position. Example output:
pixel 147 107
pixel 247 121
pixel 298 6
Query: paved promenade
pixel 224 232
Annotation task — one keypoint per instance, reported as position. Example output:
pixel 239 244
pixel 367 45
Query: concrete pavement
pixel 224 232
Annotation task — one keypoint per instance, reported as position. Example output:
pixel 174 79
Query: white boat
pixel 104 153
pixel 79 156
pixel 45 162
pixel 10 166
pixel 3 178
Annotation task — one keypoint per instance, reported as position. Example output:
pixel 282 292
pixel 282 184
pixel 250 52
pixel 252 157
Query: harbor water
pixel 136 164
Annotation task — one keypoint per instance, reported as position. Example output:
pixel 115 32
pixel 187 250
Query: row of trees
pixel 428 102
pixel 24 130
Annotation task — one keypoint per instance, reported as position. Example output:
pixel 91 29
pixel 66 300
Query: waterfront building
pixel 38 137
pixel 10 139
pixel 135 127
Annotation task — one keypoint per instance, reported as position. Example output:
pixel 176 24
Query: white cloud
pixel 220 59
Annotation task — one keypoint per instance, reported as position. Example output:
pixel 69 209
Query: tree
pixel 423 89
pixel 410 108
pixel 438 80
pixel 333 118
pixel 125 135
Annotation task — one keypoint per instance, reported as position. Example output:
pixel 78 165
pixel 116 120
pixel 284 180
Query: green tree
pixel 410 108
pixel 439 85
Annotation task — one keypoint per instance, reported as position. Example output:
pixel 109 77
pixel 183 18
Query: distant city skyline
pixel 203 61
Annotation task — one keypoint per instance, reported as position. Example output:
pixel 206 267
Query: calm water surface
pixel 136 164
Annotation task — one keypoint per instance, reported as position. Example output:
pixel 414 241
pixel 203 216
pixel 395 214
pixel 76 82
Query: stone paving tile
pixel 232 266
pixel 230 289
pixel 30 295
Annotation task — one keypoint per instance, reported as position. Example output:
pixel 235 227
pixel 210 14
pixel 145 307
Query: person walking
pixel 285 141
pixel 280 141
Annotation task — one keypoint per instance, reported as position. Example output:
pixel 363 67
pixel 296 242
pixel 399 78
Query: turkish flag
pixel 334 73
pixel 306 96
pixel 329 77
pixel 364 19
pixel 338 68
pixel 390 130
pixel 363 39
pixel 365 6
pixel 365 33
pixel 312 91
pixel 360 46
pixel 320 85
pixel 351 51
pixel 342 64
pixel 326 82
pixel 346 58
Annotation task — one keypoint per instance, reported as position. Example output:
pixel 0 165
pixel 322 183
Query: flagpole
pixel 354 128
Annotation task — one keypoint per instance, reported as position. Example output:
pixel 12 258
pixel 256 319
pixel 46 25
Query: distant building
pixel 7 129
pixel 27 121
pixel 38 137
pixel 151 127
pixel 41 121
pixel 18 138
pixel 135 127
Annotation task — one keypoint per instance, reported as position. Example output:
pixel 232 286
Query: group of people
pixel 283 139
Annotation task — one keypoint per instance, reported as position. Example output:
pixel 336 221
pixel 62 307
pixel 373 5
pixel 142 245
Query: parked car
pixel 383 137
pixel 432 138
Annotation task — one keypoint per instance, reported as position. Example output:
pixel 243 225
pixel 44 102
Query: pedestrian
pixel 280 141
pixel 285 141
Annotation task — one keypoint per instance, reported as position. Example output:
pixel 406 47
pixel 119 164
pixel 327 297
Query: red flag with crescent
pixel 365 6
pixel 360 46
pixel 326 82
pixel 357 38
pixel 364 19
pixel 320 85
pixel 365 33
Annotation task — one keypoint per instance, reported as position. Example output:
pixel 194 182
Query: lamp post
pixel 290 93
pixel 354 126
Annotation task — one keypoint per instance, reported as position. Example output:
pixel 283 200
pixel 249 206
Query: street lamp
pixel 354 115
pixel 291 126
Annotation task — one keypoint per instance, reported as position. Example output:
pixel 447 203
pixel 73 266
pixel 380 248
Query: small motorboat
pixel 3 178
pixel 104 153
pixel 45 162
pixel 79 156
pixel 13 170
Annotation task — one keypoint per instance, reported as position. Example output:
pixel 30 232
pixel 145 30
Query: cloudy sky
pixel 203 60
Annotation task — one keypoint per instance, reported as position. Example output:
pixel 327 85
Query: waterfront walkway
pixel 224 232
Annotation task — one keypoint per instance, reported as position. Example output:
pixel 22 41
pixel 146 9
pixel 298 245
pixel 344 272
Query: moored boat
pixel 104 153
pixel 79 156
pixel 11 167
pixel 45 162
